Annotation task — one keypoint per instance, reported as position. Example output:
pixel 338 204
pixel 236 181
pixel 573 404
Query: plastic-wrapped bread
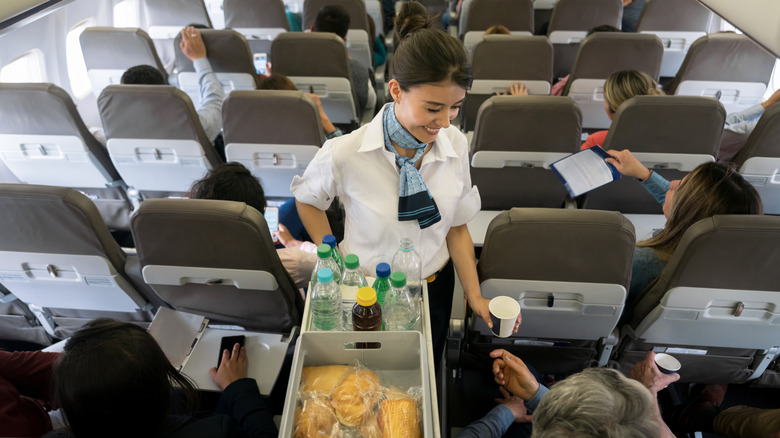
pixel 356 397
pixel 316 420
pixel 398 419
pixel 321 380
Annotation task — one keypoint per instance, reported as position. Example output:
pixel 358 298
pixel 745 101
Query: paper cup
pixel 667 363
pixel 503 314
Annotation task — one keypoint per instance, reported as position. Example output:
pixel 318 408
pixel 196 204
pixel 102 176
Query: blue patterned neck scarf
pixel 414 199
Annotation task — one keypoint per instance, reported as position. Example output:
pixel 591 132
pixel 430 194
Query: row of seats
pixel 714 306
pixel 214 258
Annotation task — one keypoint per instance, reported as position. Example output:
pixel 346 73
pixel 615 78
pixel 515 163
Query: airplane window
pixel 27 68
pixel 216 13
pixel 77 69
pixel 126 14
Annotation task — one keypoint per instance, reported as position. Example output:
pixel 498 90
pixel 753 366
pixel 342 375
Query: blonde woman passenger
pixel 619 87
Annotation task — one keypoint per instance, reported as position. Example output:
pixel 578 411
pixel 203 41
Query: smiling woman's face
pixel 425 109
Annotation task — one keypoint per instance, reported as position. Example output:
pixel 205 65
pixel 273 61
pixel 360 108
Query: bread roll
pixel 315 420
pixel 398 419
pixel 321 380
pixel 356 397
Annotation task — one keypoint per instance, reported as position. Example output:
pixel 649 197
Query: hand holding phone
pixel 272 218
pixel 227 343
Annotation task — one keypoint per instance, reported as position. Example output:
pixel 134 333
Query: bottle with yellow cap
pixel 366 313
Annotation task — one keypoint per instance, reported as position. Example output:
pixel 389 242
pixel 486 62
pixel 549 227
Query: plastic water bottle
pixel 400 311
pixel 407 260
pixel 382 283
pixel 324 260
pixel 352 280
pixel 330 240
pixel 326 302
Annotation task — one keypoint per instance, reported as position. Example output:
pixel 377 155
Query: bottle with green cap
pixel 366 313
pixel 400 311
pixel 351 280
pixel 326 302
pixel 324 260
pixel 330 240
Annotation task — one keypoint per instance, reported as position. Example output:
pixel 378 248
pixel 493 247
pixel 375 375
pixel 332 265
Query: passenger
pixel 113 379
pixel 335 19
pixel 518 88
pixel 211 92
pixel 557 88
pixel 619 87
pixel 632 9
pixel 406 174
pixel 379 49
pixel 25 396
pixel 739 125
pixel 234 182
pixel 703 413
pixel 497 29
pixel 598 402
pixel 277 81
pixel 710 189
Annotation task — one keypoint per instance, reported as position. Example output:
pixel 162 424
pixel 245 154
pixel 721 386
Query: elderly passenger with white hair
pixel 597 402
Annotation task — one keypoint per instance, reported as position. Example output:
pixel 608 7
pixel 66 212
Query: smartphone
pixel 227 344
pixel 272 217
pixel 261 61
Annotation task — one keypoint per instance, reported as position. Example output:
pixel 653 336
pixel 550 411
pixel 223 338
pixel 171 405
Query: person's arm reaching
pixel 211 92
pixel 314 220
pixel 647 373
pixel 628 165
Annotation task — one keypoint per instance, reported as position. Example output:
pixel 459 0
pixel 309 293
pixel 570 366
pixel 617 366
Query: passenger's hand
pixel 192 43
pixel 518 89
pixel 327 126
pixel 627 164
pixel 512 373
pixel 647 373
pixel 286 239
pixel 232 367
pixel 515 404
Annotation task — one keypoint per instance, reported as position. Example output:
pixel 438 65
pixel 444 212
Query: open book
pixel 585 171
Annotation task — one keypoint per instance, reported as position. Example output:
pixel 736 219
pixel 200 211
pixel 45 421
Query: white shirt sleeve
pixel 470 202
pixel 744 121
pixel 211 96
pixel 317 186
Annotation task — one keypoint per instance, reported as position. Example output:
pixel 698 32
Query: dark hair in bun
pixel 425 55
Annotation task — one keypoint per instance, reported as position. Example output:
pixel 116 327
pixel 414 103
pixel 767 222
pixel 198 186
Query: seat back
pixel 317 62
pixel 727 65
pixel 230 58
pixel 759 160
pixel 678 23
pixel 155 138
pixel 166 18
pixel 260 21
pixel 109 51
pixel 570 22
pixel 670 134
pixel 275 134
pixel 359 44
pixel 43 140
pixel 515 140
pixel 569 269
pixel 230 273
pixel 478 15
pixel 501 60
pixel 714 305
pixel 602 54
pixel 57 253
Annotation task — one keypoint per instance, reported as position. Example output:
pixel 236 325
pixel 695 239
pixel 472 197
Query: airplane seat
pixel 515 140
pixel 569 270
pixel 58 257
pixel 499 61
pixel 230 273
pixel 155 138
pixel 230 58
pixel 110 51
pixel 759 160
pixel 43 140
pixel 317 62
pixel 678 23
pixel 602 54
pixel 478 15
pixel 671 135
pixel 275 134
pixel 359 43
pixel 715 305
pixel 728 66
pixel 260 21
pixel 166 18
pixel 570 22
